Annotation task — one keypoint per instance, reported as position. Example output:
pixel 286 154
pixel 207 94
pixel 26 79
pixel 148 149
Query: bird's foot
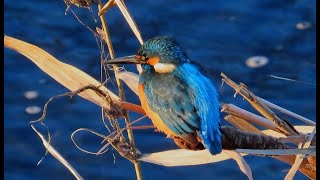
pixel 185 145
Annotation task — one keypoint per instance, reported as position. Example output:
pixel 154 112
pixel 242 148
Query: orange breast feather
pixel 156 120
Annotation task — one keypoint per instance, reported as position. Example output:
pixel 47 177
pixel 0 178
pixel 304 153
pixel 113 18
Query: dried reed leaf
pixel 241 124
pixel 56 154
pixel 67 75
pixel 299 157
pixel 130 20
pixel 248 116
pixel 243 165
pixel 183 157
pixel 131 80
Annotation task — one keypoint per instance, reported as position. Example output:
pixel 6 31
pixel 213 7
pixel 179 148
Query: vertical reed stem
pixel 120 87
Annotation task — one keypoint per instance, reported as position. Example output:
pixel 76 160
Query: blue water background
pixel 218 34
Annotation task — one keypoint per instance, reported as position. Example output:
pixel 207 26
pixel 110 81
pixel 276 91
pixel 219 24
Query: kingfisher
pixel 176 95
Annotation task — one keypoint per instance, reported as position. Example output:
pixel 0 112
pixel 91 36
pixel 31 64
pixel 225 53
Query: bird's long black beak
pixel 134 59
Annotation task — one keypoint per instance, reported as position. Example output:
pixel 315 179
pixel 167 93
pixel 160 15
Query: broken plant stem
pixel 242 124
pixel 248 116
pixel 106 7
pixel 233 138
pixel 121 92
pixel 282 125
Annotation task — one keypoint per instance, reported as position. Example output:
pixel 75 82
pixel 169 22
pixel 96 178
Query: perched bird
pixel 179 99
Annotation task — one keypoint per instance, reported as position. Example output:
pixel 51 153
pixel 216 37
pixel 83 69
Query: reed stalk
pixel 120 88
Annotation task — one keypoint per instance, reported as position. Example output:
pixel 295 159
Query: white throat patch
pixel 164 67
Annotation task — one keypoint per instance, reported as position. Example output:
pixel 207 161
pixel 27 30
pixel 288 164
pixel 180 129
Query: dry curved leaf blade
pixel 67 75
pixel 243 165
pixel 57 155
pixel 182 157
pixel 130 79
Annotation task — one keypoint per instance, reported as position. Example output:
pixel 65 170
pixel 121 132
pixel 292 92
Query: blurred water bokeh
pixel 220 35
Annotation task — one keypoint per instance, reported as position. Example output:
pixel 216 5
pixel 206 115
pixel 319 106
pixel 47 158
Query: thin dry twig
pixel 117 132
pixel 111 138
pixel 87 130
pixel 114 109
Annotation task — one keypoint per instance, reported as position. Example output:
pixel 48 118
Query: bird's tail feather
pixel 214 143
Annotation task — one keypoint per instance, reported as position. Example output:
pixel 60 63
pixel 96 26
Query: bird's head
pixel 161 53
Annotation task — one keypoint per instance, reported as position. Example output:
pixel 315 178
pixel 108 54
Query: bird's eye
pixel 144 58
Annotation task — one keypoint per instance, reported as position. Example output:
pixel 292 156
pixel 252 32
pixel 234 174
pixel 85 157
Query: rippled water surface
pixel 219 34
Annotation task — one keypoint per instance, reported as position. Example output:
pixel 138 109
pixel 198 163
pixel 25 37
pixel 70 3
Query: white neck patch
pixel 164 67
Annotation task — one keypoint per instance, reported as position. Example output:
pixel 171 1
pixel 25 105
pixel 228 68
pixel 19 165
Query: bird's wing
pixel 207 105
pixel 172 100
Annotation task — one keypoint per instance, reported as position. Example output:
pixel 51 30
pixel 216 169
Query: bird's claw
pixel 185 145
